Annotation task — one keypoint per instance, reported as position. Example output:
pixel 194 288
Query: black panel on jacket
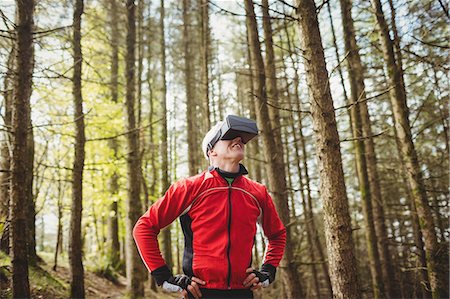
pixel 186 222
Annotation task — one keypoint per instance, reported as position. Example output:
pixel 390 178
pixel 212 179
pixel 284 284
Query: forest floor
pixel 47 283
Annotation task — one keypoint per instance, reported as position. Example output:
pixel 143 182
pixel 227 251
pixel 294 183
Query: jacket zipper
pixel 229 236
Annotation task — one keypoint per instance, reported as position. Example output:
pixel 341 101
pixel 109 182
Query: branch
pixel 281 108
pixel 363 137
pixel 365 100
pixel 287 4
pixel 430 43
pixel 45 32
pixel 124 133
pixel 62 124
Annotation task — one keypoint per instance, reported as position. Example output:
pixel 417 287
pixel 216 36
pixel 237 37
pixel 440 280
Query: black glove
pixel 177 283
pixel 266 274
pixel 163 277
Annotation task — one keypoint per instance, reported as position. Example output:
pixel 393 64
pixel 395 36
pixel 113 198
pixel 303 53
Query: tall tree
pixel 19 167
pixel 273 154
pixel 397 95
pixel 304 157
pixel 134 267
pixel 356 75
pixel 167 244
pixel 271 75
pixel 205 58
pixel 75 243
pixel 338 230
pixel 30 205
pixel 357 95
pixel 189 85
pixel 113 223
pixel 5 154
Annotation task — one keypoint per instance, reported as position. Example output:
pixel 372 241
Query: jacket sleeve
pixel 162 213
pixel 274 230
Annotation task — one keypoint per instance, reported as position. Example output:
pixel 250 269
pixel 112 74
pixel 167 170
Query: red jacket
pixel 219 224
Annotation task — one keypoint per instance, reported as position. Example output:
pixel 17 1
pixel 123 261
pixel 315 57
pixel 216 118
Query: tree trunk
pixel 358 95
pixel 166 244
pixel 309 222
pixel 356 74
pixel 273 156
pixel 304 155
pixel 271 76
pixel 134 267
pixel 397 94
pixel 5 152
pixel 75 243
pixel 205 49
pixel 338 230
pixel 30 205
pixel 19 167
pixel 59 230
pixel 113 223
pixel 189 85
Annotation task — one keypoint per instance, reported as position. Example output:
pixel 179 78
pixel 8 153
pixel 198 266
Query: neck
pixel 228 166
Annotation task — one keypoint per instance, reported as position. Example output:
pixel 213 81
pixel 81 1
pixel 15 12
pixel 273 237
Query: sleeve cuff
pixel 161 274
pixel 270 270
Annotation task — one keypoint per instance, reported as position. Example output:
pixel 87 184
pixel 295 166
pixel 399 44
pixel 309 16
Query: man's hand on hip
pixel 192 287
pixel 257 279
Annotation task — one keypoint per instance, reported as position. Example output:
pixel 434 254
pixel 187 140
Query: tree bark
pixel 273 156
pixel 30 205
pixel 397 94
pixel 358 111
pixel 5 152
pixel 309 222
pixel 271 76
pixel 304 158
pixel 75 242
pixel 60 227
pixel 134 267
pixel 189 85
pixel 19 167
pixel 205 49
pixel 356 75
pixel 166 243
pixel 113 223
pixel 337 225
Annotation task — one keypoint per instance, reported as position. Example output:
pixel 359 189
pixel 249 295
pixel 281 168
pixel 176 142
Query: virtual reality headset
pixel 235 126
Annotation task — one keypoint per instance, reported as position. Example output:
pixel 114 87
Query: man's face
pixel 232 150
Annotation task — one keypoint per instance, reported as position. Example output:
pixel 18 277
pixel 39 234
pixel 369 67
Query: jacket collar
pixel 214 171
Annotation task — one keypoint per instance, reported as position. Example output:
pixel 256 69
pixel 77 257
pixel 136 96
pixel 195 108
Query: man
pixel 218 209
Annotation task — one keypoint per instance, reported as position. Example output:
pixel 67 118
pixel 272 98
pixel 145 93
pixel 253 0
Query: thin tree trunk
pixel 304 155
pixel 190 101
pixel 338 230
pixel 309 222
pixel 434 256
pixel 356 74
pixel 59 230
pixel 30 205
pixel 358 95
pixel 113 223
pixel 205 49
pixel 134 267
pixel 19 167
pixel 166 243
pixel 140 59
pixel 252 106
pixel 75 241
pixel 273 156
pixel 5 152
pixel 271 76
